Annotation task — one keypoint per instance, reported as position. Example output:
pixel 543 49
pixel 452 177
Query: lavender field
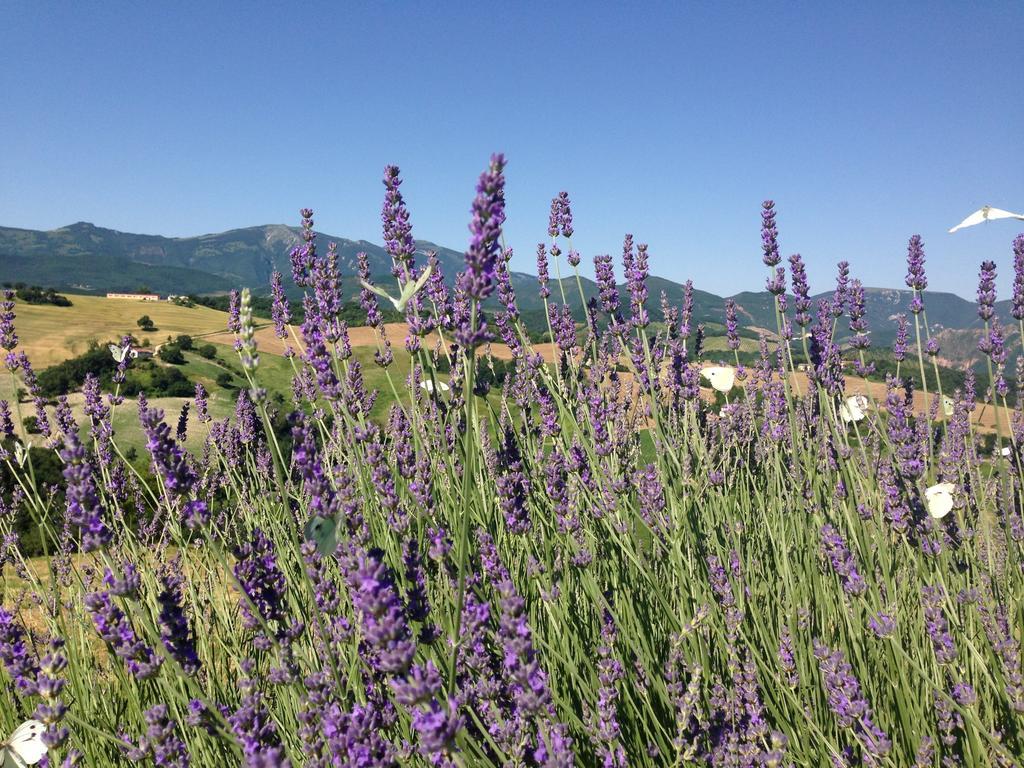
pixel 640 554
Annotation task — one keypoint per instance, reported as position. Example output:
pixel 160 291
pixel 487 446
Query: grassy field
pixel 50 334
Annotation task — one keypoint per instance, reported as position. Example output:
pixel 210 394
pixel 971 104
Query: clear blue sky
pixel 866 122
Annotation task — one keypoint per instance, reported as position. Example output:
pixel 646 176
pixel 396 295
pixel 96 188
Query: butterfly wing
pixel 975 218
pixel 939 499
pixel 26 744
pixel 322 532
pixel 999 213
pixel 721 377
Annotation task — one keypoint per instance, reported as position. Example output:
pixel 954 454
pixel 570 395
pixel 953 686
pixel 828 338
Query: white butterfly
pixel 987 213
pixel 721 377
pixel 947 405
pixel 20 454
pixel 854 408
pixel 1006 451
pixel 408 290
pixel 24 747
pixel 119 353
pixel 428 385
pixel 939 499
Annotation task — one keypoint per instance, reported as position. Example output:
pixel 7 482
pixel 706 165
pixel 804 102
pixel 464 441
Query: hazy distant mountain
pixel 88 258
pixel 65 257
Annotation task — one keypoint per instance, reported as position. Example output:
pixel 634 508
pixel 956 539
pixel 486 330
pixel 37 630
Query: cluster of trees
pixel 33 294
pixel 142 375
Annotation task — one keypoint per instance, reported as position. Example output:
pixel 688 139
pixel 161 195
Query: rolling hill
pixel 85 258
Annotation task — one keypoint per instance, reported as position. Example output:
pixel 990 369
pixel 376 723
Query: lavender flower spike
pixel 485 230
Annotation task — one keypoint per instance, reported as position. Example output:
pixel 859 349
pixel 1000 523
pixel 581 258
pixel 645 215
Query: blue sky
pixel 866 122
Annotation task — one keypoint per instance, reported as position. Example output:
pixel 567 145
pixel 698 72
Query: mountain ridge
pixel 88 258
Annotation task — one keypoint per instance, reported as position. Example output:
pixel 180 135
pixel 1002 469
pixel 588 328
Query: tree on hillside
pixel 145 323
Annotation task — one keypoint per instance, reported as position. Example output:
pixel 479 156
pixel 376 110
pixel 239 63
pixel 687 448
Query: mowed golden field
pixel 51 334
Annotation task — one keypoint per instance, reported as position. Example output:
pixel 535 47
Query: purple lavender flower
pixel 49 685
pixel 1018 277
pixel 19 663
pixel 987 290
pixel 8 337
pixel 842 285
pixel 932 598
pixel 565 217
pixel 202 404
pixel 636 281
pixel 916 278
pixel 174 630
pixel 161 741
pixel 834 548
pixel 83 502
pixel 279 310
pixel 303 257
pixel 234 308
pixel 168 458
pixel 899 346
pixel 542 271
pixel 732 335
pixel 117 632
pixel 786 658
pixel 254 730
pixel 849 705
pixel 6 422
pixel 857 311
pixel 606 726
pixel 398 241
pixel 607 290
pixel 801 290
pixel 513 485
pixel 389 645
pixel 485 231
pixel 769 235
pixel 883 625
pixel 261 580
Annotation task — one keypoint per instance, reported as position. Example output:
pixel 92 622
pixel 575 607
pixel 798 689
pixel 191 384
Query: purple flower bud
pixel 801 290
pixel 485 231
pixel 769 235
pixel 916 278
pixel 987 290
pixel 899 346
pixel 542 271
pixel 303 257
pixel 732 335
pixel 398 241
pixel 8 338
pixel 1018 277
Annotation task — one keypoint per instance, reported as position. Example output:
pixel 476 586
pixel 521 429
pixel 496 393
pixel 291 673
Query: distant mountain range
pixel 85 258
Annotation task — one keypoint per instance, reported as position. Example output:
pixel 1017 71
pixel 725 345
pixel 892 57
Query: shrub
pixel 184 342
pixel 208 351
pixel 225 380
pixel 171 353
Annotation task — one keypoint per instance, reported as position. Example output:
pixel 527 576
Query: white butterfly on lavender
pixel 722 377
pixel 938 499
pixel 409 289
pixel 24 747
pixel 119 353
pixel 854 408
